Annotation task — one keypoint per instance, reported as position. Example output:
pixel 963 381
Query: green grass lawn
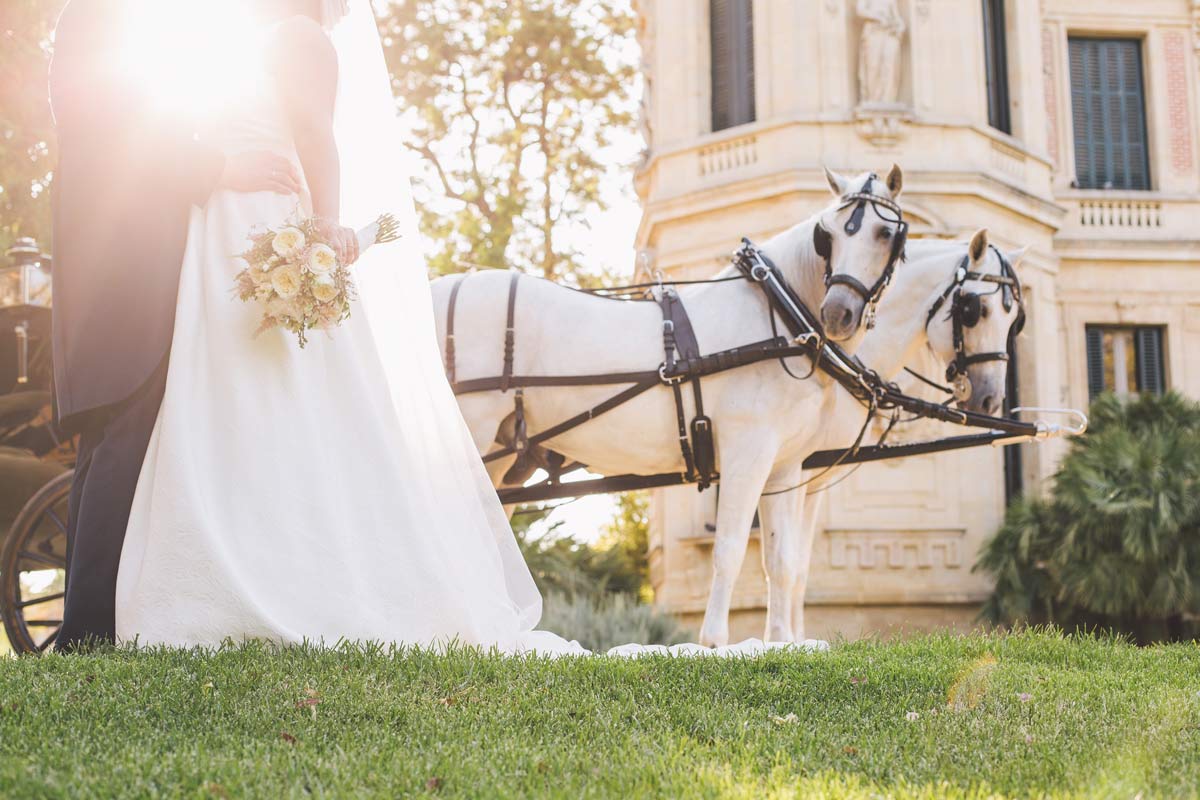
pixel 1026 715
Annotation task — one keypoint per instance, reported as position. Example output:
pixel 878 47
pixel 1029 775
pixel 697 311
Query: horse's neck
pixel 796 257
pixel 899 332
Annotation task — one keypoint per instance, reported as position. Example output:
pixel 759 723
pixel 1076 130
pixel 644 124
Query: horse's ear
pixel 895 181
pixel 837 184
pixel 977 249
pixel 1017 256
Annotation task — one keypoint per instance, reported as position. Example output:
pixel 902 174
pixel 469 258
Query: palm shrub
pixel 1116 544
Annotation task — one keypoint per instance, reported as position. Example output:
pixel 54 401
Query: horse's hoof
pixel 714 638
pixel 779 635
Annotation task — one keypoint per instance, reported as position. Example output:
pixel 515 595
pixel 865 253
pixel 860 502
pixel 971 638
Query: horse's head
pixel 972 325
pixel 861 236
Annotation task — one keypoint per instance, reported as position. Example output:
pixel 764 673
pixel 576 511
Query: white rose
pixel 288 242
pixel 286 281
pixel 324 288
pixel 322 260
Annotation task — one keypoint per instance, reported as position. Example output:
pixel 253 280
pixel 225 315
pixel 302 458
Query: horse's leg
pixel 744 469
pixel 807 530
pixel 780 523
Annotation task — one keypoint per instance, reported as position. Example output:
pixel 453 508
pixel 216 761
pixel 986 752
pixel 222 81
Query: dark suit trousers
pixel 111 451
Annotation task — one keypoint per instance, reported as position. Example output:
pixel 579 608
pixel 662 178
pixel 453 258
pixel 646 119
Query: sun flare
pixel 193 58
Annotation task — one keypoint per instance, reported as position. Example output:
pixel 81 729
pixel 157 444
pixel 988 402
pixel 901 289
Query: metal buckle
pixel 962 387
pixel 808 338
pixel 760 271
pixel 669 381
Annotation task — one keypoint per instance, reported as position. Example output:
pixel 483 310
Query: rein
pixel 864 384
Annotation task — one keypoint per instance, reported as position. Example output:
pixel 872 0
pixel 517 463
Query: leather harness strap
pixel 683 362
pixel 510 332
pixel 680 338
pixel 451 369
pixel 1006 283
pixel 823 243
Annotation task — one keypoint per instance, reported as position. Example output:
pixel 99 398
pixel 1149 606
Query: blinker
pixel 822 241
pixel 970 307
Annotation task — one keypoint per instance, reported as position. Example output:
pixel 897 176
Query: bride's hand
pixel 344 241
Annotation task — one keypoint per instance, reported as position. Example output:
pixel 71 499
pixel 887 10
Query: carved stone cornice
pixel 883 125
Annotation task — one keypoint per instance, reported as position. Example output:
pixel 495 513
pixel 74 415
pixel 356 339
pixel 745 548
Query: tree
pixel 629 535
pixel 26 126
pixel 1117 543
pixel 511 104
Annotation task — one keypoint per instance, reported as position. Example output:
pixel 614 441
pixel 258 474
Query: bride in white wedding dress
pixel 333 492
pixel 293 494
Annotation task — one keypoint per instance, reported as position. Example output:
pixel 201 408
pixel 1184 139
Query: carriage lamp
pixel 24 294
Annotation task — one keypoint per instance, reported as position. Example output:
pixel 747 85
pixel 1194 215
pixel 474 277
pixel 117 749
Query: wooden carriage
pixel 35 460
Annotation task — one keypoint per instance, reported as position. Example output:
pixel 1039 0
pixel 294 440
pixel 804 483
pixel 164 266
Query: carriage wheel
pixel 33 569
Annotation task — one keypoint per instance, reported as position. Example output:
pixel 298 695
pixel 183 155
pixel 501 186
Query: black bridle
pixel 823 243
pixel 966 311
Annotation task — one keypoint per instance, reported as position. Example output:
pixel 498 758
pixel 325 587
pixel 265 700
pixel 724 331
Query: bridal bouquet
pixel 298 278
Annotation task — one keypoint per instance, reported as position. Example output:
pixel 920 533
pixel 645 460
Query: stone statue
pixel 879 52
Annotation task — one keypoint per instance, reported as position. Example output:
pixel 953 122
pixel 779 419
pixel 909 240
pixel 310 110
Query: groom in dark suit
pixel 128 174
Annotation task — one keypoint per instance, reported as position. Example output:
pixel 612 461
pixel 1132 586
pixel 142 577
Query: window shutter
pixel 1151 375
pixel 1109 114
pixel 1095 362
pixel 732 44
pixel 995 53
pixel 722 84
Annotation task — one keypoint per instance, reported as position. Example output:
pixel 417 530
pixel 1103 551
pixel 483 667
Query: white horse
pixel 763 418
pixel 901 337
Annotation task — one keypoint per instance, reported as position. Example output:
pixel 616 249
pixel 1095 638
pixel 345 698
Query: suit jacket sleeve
pixel 96 105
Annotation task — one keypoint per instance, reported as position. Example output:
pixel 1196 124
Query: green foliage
pixel 564 565
pixel 512 104
pixel 1117 543
pixel 629 534
pixel 26 126
pixel 602 623
pixel 597 594
pixel 1048 717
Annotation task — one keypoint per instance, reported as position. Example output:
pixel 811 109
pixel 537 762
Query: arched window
pixel 731 24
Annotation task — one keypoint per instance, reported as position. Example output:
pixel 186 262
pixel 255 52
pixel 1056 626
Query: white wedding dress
pixel 290 494
pixel 324 494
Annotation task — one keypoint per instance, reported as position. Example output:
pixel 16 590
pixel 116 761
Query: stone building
pixel 1066 125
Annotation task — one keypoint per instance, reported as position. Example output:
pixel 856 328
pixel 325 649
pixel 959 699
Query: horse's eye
pixel 983 310
pixel 885 233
